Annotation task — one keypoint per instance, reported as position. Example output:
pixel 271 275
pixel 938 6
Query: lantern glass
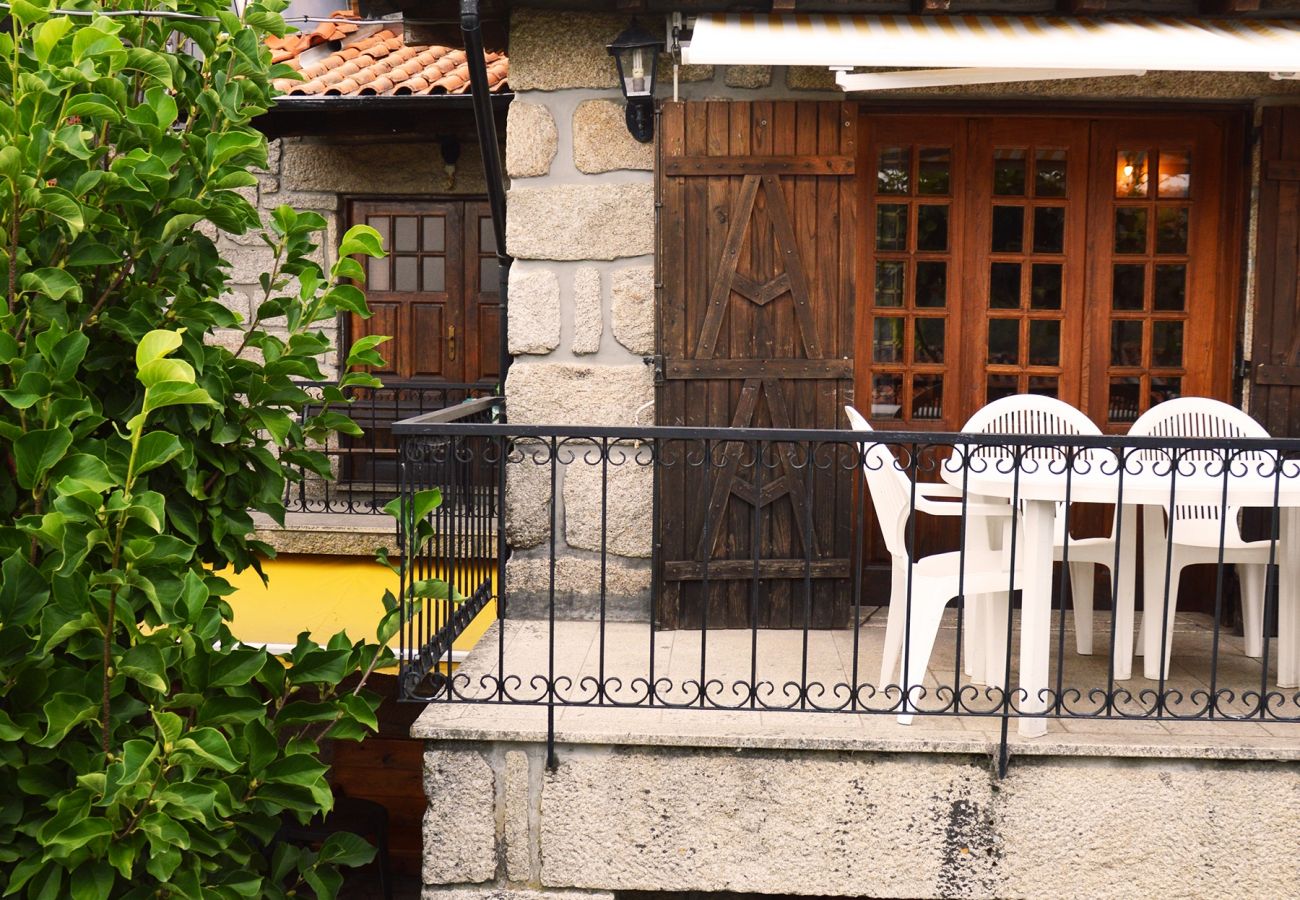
pixel 636 52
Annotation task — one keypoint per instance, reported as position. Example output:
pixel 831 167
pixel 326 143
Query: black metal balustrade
pixel 365 468
pixel 764 553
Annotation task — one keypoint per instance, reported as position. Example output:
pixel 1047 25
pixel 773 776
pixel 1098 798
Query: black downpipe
pixel 491 151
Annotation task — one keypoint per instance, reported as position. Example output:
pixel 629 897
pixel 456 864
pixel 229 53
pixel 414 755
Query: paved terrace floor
pixel 830 654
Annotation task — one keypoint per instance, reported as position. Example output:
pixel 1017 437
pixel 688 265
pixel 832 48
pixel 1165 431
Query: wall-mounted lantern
pixel 636 52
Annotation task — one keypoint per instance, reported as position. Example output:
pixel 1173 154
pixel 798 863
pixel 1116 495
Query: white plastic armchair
pixel 920 589
pixel 1034 414
pixel 1195 530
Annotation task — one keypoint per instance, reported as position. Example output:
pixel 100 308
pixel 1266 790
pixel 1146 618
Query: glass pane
pixel 1130 230
pixel 377 275
pixel 405 233
pixel 891 226
pixel 1175 175
pixel 434 234
pixel 887 341
pixel 1126 343
pixel 405 274
pixel 1043 385
pixel 1171 288
pixel 1045 286
pixel 927 397
pixel 1171 229
pixel 1004 286
pixel 1166 344
pixel 1004 342
pixel 891 173
pixel 1049 229
pixel 435 273
pixel 1009 173
pixel 1000 386
pixel 487 237
pixel 1044 342
pixel 889 283
pixel 1163 389
pixel 932 228
pixel 1127 286
pixel 931 284
pixel 1049 173
pixel 928 335
pixel 1123 405
pixel 489 275
pixel 1008 229
pixel 886 396
pixel 1131 173
pixel 380 224
pixel 932 173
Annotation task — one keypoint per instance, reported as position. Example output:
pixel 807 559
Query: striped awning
pixel 998 42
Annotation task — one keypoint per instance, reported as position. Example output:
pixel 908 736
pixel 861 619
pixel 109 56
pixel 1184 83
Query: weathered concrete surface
pixel 349 167
pixel 750 77
pixel 601 141
pixel 588 315
pixel 531 140
pixel 628 495
pixel 544 393
pixel 632 308
pixel 550 51
pixel 534 311
pixel 460 819
pixel 589 221
pixel 485 893
pixel 577 588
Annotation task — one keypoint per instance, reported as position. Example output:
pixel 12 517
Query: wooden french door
pixel 436 295
pixel 755 330
pixel 1092 260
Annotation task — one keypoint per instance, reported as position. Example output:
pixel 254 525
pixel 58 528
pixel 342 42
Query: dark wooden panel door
pixel 482 320
pixel 1275 349
pixel 755 329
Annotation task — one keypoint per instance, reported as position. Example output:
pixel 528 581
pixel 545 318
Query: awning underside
pixel 1049 46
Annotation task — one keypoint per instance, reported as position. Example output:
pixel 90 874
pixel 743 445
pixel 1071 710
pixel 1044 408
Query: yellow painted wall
pixel 323 595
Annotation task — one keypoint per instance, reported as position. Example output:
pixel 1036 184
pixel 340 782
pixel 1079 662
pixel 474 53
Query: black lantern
pixel 636 51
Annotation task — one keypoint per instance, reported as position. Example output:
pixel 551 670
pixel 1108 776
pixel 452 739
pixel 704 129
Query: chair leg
pixel 1081 589
pixel 1253 577
pixel 895 622
pixel 1151 665
pixel 926 618
pixel 996 608
pixel 972 647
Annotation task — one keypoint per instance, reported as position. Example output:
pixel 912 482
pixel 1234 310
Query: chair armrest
pixel 925 502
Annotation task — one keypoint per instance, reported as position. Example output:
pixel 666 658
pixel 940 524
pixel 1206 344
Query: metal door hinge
pixel 1243 369
pixel 657 362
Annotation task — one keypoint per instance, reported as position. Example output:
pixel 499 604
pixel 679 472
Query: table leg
pixel 1036 614
pixel 1125 598
pixel 1288 601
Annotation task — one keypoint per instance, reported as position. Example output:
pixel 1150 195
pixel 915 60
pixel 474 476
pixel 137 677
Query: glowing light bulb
pixel 638 71
pixel 1128 171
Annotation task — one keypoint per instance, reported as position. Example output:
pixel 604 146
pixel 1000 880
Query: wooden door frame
pixel 1231 290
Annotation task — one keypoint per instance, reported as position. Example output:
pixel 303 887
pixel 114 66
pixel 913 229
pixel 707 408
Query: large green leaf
pixel 37 451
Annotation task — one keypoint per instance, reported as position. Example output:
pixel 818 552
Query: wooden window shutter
pixel 1275 397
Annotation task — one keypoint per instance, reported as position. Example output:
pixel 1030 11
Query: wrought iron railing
pixel 769 555
pixel 364 470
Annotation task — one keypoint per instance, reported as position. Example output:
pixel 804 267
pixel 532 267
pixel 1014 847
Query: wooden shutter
pixel 755 330
pixel 1275 350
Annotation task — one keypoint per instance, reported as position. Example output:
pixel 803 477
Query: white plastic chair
pixel 920 589
pixel 1195 530
pixel 1034 414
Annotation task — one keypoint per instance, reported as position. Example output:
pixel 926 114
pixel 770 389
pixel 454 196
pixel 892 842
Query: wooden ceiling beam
pixel 782 6
pixel 1222 7
pixel 929 7
pixel 1083 7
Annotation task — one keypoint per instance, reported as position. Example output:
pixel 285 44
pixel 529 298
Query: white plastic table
pixel 1041 485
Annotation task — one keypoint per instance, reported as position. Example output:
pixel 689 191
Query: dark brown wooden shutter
pixel 1275 350
pixel 755 330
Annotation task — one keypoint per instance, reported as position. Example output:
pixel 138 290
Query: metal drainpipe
pixel 491 153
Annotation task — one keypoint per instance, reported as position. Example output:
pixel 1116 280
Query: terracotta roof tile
pixel 381 63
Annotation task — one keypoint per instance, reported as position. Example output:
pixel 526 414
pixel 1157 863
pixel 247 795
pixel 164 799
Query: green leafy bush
pixel 143 751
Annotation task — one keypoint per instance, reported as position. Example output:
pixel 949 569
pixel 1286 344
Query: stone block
pixel 685 74
pixel 237 301
pixel 334 167
pixel 809 78
pixel 432 892
pixel 528 499
pixel 577 588
pixel 531 140
pixel 460 819
pixel 823 824
pixel 632 308
pixel 628 483
pixel 247 263
pixel 553 50
pixel 601 142
pixel 518 831
pixel 534 310
pixel 748 76
pixel 593 221
pixel 588 315
pixel 541 393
